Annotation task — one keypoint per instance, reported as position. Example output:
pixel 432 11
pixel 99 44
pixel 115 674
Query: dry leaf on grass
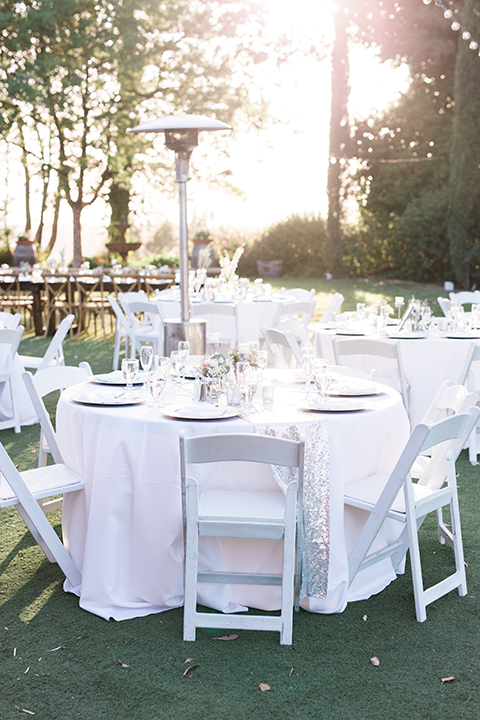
pixel 264 687
pixel 187 673
pixel 124 665
pixel 448 679
pixel 364 618
pixel 60 647
pixel 29 712
pixel 189 660
pixel 226 637
pixel 375 661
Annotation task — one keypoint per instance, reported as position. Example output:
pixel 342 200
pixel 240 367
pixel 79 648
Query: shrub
pixel 297 241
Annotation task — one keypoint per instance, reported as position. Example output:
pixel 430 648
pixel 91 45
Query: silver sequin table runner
pixel 316 497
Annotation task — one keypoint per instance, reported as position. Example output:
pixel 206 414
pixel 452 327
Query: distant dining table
pixel 125 530
pixel 428 360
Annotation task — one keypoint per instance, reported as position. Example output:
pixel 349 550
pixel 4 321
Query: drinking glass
pixel 307 369
pixel 322 378
pixel 129 370
pixel 262 360
pixel 156 385
pixel 176 363
pixel 146 359
pixel 184 352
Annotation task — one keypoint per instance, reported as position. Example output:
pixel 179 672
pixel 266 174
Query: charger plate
pixel 116 378
pixel 335 405
pixel 89 397
pixel 199 411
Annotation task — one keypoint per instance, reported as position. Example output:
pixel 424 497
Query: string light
pixel 456 26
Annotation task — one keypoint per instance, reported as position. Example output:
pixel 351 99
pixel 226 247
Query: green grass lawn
pixel 59 662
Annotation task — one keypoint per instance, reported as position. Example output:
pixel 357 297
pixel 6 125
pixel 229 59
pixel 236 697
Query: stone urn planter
pixel 123 248
pixel 25 251
pixel 270 268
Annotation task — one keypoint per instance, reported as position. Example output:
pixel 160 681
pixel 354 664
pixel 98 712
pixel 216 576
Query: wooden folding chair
pixel 239 514
pixel 398 498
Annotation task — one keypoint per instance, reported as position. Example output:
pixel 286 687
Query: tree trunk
pixel 53 236
pixel 77 208
pixel 463 229
pixel 339 141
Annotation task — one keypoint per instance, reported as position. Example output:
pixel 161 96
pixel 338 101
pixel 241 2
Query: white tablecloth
pixel 427 362
pixel 125 530
pixel 250 317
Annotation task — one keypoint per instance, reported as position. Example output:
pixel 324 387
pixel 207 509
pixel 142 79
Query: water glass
pixel 307 369
pixel 130 371
pixel 156 385
pixel 146 358
pixel 268 392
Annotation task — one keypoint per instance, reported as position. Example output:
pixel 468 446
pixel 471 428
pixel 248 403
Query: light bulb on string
pixel 466 35
pixel 473 45
pixel 456 25
pixel 448 14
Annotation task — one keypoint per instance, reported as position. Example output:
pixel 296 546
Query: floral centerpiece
pixel 212 370
pixel 229 266
pixel 251 358
pixel 214 366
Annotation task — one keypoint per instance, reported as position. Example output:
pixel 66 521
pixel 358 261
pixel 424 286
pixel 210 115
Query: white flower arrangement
pixel 229 266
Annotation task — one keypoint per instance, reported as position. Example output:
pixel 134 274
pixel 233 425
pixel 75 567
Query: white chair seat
pixel 365 492
pixel 43 482
pixel 249 507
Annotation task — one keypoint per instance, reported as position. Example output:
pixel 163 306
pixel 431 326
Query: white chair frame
pixel 467 378
pixel 209 311
pixel 54 353
pixel 375 348
pixel 7 375
pixel 122 330
pixel 146 330
pixel 10 321
pixel 383 499
pixel 331 312
pixel 41 384
pixel 25 490
pixel 295 317
pixel 277 339
pixel 223 513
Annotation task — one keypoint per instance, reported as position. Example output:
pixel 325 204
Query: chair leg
pixel 458 545
pixel 416 566
pixel 191 562
pixel 288 573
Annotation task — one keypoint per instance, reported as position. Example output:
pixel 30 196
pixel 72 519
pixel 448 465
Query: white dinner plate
pixel 350 333
pixel 340 389
pixel 461 336
pixel 199 411
pixel 116 378
pixel 407 336
pixel 335 405
pixel 91 397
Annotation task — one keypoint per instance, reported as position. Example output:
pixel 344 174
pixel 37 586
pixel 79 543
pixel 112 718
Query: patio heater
pixel 181 135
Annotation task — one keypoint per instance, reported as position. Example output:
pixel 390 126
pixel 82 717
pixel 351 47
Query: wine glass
pixel 176 363
pixel 129 370
pixel 307 369
pixel 156 385
pixel 184 352
pixel 146 359
pixel 322 377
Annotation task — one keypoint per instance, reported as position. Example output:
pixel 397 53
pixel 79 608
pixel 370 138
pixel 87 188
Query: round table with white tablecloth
pixel 427 362
pixel 124 531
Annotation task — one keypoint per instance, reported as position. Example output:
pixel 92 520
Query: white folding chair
pixel 445 305
pixel 399 499
pixel 146 325
pixel 333 308
pixel 10 321
pixel 294 317
pixel 9 342
pixel 54 353
pixel 465 297
pixel 24 491
pixel 40 385
pixel 220 317
pixel 122 330
pixel 298 294
pixel 467 378
pixel 278 341
pixel 238 514
pixel 374 349
pixel 449 400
